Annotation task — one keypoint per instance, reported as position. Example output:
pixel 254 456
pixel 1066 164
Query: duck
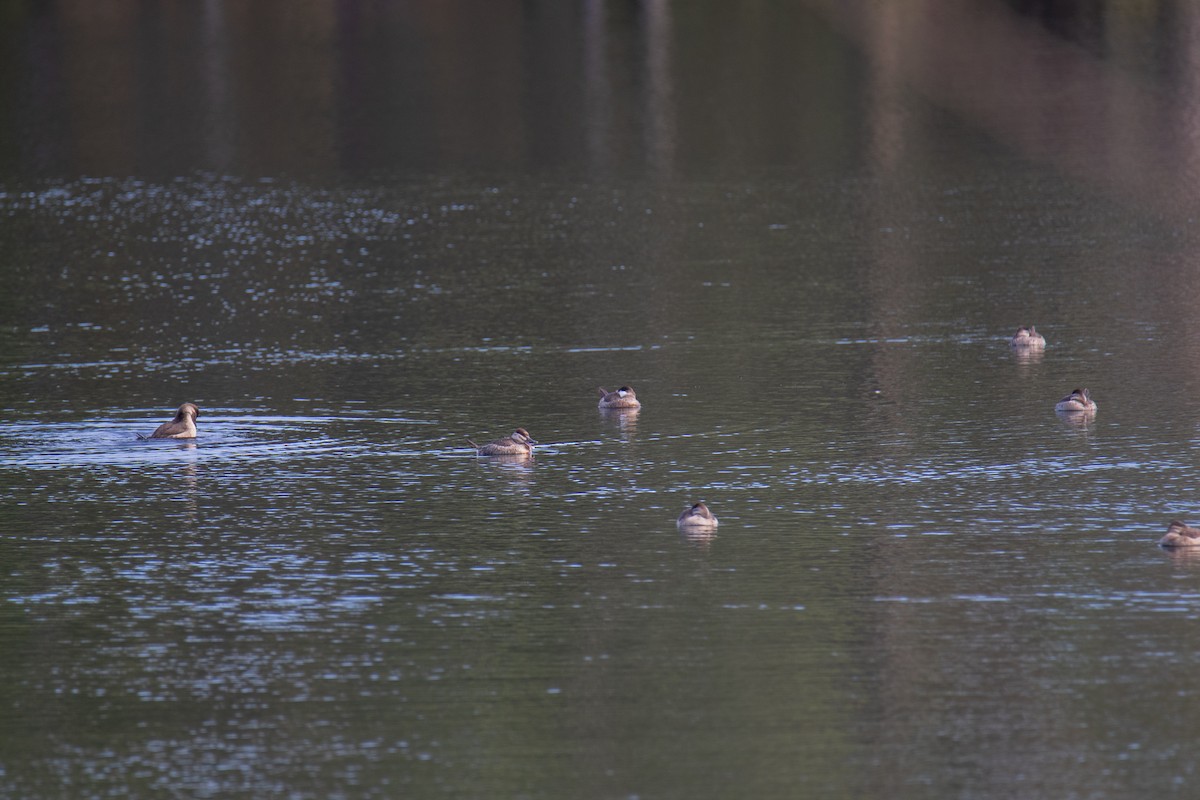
pixel 182 427
pixel 518 443
pixel 1028 338
pixel 698 516
pixel 1077 400
pixel 1180 534
pixel 624 397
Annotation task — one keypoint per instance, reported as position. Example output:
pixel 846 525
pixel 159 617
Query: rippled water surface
pixel 925 582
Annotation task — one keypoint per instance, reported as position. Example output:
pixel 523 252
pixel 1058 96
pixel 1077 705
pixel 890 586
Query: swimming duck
pixel 624 397
pixel 698 516
pixel 182 427
pixel 1077 400
pixel 1028 338
pixel 1180 535
pixel 520 443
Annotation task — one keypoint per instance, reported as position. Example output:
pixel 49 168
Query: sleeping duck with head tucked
pixel 698 516
pixel 518 443
pixel 1180 535
pixel 182 427
pixel 1077 400
pixel 1028 338
pixel 624 397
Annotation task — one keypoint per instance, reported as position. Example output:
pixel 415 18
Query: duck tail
pixel 143 437
pixel 603 392
pixel 471 443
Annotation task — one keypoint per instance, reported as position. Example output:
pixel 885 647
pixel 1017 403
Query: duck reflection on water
pixel 700 538
pixel 623 419
pixel 510 476
pixel 1028 355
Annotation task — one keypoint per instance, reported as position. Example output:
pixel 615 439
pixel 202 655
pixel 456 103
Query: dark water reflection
pixel 357 234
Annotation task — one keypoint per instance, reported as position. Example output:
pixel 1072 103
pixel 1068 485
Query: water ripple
pixel 114 442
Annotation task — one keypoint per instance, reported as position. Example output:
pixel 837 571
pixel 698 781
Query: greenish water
pixel 925 583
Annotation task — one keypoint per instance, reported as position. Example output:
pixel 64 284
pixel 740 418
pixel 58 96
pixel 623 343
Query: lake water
pixel 357 234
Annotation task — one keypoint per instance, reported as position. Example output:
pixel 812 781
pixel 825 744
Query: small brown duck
pixel 698 516
pixel 1077 400
pixel 1028 338
pixel 1180 535
pixel 182 427
pixel 519 443
pixel 624 397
